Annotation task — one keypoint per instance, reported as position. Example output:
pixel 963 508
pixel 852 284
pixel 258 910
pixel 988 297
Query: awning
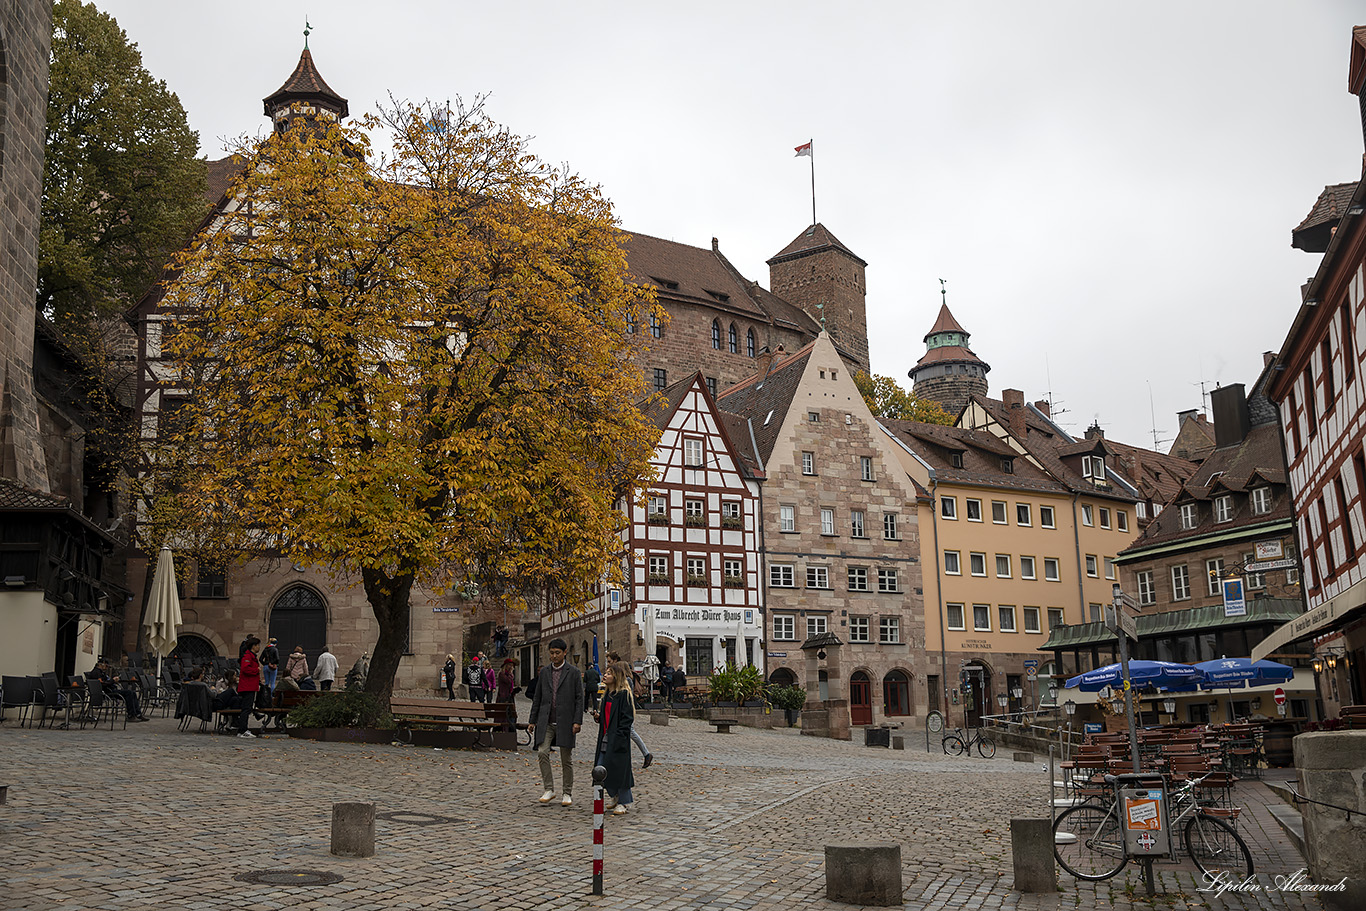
pixel 1325 617
pixel 1190 620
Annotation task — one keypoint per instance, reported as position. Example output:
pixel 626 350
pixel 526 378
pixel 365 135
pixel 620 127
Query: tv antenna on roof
pixel 1152 412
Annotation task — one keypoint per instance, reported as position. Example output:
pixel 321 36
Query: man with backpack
pixel 474 679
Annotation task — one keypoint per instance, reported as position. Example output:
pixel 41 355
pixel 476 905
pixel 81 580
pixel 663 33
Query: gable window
pixel 889 630
pixel 1008 466
pixel 977 563
pixel 749 343
pixel 784 627
pixel 1330 395
pixel 1003 566
pixel 858 629
pixel 1031 620
pixel 808 463
pixel 733 340
pixel 888 580
pixel 974 508
pixel 889 526
pixel 1088 516
pixel 1181 583
pixel 1146 593
pixel 865 464
pixel 781 575
pixel 1311 411
pixel 1187 515
pixel 1022 516
pixel 948 507
pixel 1050 569
pixel 1223 508
pixel 1104 517
pixel 1141 510
pixel 953 615
pixel 695 513
pixel 1349 352
pixel 981 617
pixel 1026 567
pixel 813 417
pixel 692 452
pixel 1046 516
pixel 827 521
pixel 998 512
pixel 1093 467
pixel 952 566
pixel 1261 501
pixel 956 459
pixel 818 577
pixel 661 379
pixel 1122 519
pixel 787 518
pixel 716 334
pixel 858 578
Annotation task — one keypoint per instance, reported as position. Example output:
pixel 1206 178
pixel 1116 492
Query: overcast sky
pixel 1108 188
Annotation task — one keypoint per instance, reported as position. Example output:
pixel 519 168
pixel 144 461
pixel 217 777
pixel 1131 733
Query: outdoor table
pixel 195 701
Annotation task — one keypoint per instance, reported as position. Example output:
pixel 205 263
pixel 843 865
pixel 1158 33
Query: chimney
pixel 1094 432
pixel 1015 412
pixel 715 245
pixel 1043 408
pixel 1232 420
pixel 1183 416
pixel 765 359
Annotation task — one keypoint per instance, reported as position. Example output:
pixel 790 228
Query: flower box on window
pixel 657 578
pixel 659 518
pixel 733 581
pixel 697 581
pixel 732 522
pixel 695 521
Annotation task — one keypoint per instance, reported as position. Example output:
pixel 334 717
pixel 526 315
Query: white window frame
pixel 999 516
pixel 949 610
pixel 1056 614
pixel 730 509
pixel 693 453
pixel 1260 500
pixel 1034 626
pixel 816 624
pixel 865 464
pixel 953 563
pixel 782 575
pixel 968 508
pixel 889 630
pixel 1214 571
pixel 1003 560
pixel 658 565
pixel 1188 516
pixel 1028 567
pixel 787 518
pixel 858 578
pixel 1056 575
pixel 977 564
pixel 808 463
pixel 1092 568
pixel 1088 517
pixel 948 508
pixel 1223 508
pixel 659 505
pixel 1181 583
pixel 694 507
pixel 817 576
pixel 1005 613
pixel 888 579
pixel 785 627
pixel 1105 518
pixel 1253 580
pixel 979 611
pixel 732 569
pixel 1046 517
pixel 857 527
pixel 697 566
pixel 1147 592
pixel 860 629
pixel 1109 563
pixel 1122 519
pixel 827 521
pixel 1024 515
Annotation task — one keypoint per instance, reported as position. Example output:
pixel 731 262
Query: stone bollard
pixel 1031 848
pixel 353 829
pixel 661 718
pixel 898 742
pixel 1332 766
pixel 863 874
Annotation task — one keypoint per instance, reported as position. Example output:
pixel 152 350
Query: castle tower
pixel 304 96
pixel 823 277
pixel 949 372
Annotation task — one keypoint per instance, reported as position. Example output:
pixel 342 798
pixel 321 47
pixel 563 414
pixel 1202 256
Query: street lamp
pixel 1001 700
pixel 1071 708
pixel 1318 665
pixel 1170 705
pixel 1016 691
pixel 1053 694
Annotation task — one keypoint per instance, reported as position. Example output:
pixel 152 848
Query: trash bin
pixel 877 737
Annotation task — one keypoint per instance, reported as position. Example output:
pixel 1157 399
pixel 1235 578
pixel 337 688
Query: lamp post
pixel 1018 692
pixel 1001 700
pixel 1170 705
pixel 1070 707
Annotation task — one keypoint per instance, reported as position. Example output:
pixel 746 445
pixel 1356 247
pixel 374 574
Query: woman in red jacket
pixel 248 682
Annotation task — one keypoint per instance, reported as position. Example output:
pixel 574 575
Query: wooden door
pixel 860 699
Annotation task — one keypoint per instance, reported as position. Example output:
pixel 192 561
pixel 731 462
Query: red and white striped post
pixel 599 775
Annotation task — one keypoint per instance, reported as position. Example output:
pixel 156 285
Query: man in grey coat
pixel 556 716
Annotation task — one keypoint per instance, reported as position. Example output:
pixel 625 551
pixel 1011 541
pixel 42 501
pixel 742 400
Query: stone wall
pixel 951 392
pixel 25 40
pixel 835 280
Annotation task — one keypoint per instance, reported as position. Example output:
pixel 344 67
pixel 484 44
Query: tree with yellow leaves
pixel 886 399
pixel 408 369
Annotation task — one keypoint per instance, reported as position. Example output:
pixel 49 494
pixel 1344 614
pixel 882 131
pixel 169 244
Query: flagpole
pixel 812 156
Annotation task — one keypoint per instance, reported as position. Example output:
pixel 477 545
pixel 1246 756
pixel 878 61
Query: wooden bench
pixel 281 704
pixel 483 719
pixel 722 725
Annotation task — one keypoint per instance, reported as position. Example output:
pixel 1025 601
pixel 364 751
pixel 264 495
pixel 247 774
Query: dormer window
pixel 956 459
pixel 1188 515
pixel 1261 501
pixel 1093 467
pixel 1223 508
pixel 1008 466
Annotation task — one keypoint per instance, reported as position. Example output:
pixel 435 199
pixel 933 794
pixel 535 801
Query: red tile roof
pixel 813 239
pixel 951 353
pixel 765 400
pixel 981 453
pixel 304 84
pixel 1312 234
pixel 945 323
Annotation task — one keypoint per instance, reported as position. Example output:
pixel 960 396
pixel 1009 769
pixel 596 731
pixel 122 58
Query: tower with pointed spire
pixel 304 97
pixel 824 277
pixel 949 372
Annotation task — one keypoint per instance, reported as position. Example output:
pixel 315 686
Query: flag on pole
pixel 804 149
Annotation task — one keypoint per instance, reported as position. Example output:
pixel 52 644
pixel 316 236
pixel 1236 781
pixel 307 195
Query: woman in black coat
pixel 448 670
pixel 615 717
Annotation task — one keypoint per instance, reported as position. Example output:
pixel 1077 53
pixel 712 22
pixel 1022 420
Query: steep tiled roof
pixel 686 272
pixel 1312 234
pixel 945 323
pixel 949 353
pixel 815 238
pixel 14 495
pixel 305 83
pixel 221 174
pixel 759 396
pixel 737 430
pixel 1157 475
pixel 981 452
pixel 659 408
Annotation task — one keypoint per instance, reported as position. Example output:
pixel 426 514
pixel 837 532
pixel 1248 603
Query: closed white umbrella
pixel 648 634
pixel 163 610
pixel 741 654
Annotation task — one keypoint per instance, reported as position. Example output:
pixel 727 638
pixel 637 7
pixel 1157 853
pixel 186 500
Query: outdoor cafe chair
pixel 101 704
pixel 54 703
pixel 18 694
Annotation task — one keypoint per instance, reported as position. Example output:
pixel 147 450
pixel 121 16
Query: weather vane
pixel 944 291
pixel 307 29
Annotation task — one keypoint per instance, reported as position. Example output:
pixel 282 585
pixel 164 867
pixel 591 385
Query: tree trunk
pixel 389 599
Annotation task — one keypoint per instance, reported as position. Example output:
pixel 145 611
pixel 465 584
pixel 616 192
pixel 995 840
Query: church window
pixel 749 343
pixel 716 334
pixel 734 340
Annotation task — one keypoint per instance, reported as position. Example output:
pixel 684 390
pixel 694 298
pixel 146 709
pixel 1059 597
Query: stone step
pixel 1282 790
pixel 1292 822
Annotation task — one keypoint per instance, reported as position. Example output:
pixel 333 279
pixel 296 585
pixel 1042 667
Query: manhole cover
pixel 288 877
pixel 416 819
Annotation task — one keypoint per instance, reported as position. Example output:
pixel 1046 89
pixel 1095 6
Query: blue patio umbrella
pixel 1236 673
pixel 595 651
pixel 1161 674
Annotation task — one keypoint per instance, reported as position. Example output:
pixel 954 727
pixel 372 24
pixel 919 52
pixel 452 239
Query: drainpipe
pixel 763 556
pixel 1076 544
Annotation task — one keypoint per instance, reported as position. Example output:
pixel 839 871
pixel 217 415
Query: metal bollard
pixel 599 776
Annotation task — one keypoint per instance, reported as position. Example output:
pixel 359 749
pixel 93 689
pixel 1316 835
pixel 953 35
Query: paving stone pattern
pixel 153 818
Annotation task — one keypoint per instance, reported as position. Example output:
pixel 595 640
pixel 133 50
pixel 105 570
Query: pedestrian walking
pixel 590 687
pixel 297 664
pixel 490 681
pixel 634 686
pixel 680 682
pixel 325 671
pixel 474 679
pixel 613 751
pixel 507 690
pixel 248 685
pixel 270 665
pixel 448 675
pixel 556 717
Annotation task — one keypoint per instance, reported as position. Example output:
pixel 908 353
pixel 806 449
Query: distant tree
pixel 122 187
pixel 888 400
pixel 411 371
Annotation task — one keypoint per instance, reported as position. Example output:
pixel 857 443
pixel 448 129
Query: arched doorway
pixel 194 649
pixel 299 617
pixel 896 693
pixel 782 677
pixel 860 699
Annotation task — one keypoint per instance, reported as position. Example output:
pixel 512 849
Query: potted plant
pixel 342 715
pixel 790 699
pixel 697 580
pixel 658 518
pixel 695 521
pixel 749 686
pixel 657 579
pixel 721 686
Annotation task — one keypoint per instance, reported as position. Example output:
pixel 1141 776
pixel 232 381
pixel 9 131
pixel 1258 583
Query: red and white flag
pixel 804 149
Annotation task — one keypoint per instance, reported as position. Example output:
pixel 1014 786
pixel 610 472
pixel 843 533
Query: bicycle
pixel 1088 839
pixel 960 743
